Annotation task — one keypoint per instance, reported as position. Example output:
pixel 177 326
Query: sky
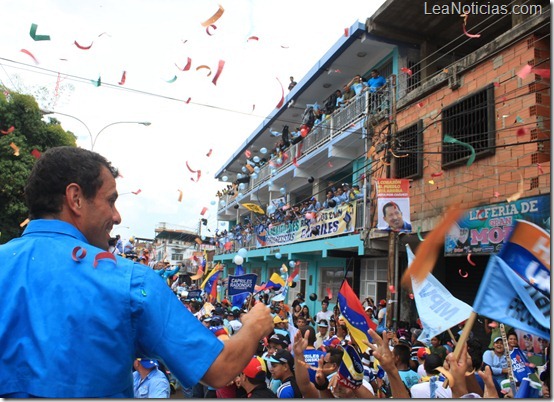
pixel 152 40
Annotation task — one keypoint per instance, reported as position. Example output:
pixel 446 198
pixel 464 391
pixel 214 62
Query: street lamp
pixel 94 138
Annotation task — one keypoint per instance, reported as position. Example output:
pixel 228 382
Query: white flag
pixel 438 310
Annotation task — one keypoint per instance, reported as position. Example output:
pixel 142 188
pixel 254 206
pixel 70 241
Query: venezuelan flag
pixel 213 272
pixel 357 321
pixel 275 282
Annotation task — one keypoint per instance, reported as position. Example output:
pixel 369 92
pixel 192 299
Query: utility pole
pixel 392 266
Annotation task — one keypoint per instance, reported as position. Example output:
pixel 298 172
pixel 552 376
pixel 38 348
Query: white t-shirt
pixel 422 390
pixel 323 316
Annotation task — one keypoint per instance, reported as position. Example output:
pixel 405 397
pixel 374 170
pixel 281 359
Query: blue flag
pixel 240 286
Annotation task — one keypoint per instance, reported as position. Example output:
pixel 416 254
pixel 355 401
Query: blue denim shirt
pixel 154 385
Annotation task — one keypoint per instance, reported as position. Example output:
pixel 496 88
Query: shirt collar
pixel 37 226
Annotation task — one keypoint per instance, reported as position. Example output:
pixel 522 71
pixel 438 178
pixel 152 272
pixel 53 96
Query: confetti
pixel 252 38
pixel 496 194
pixel 187 66
pixel 189 168
pixel 407 71
pixel 346 32
pixel 411 296
pixel 214 17
pixel 431 181
pixel 198 174
pixel 496 84
pixel 437 174
pixel 172 80
pixel 34 35
pixel 204 210
pixel 136 192
pixel 210 27
pixel 78 257
pixel 392 289
pixel 188 100
pixel 104 255
pixel 466 33
pixel 516 196
pixel 524 72
pixel 8 131
pixel 36 153
pixel 247 153
pixel 83 47
pixel 419 234
pixel 24 223
pixel 469 260
pixel 450 140
pixel 180 195
pixel 97 83
pixel 30 54
pixel 519 120
pixel 329 164
pixel 220 66
pixel 329 293
pixel 209 153
pixel 282 95
pixel 205 66
pixel 123 78
pixel 540 168
pixel 15 149
pixel 464 275
pixel 523 131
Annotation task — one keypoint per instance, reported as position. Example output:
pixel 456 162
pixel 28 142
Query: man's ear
pixel 74 198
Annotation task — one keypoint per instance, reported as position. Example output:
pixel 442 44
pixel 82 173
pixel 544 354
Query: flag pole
pixel 463 338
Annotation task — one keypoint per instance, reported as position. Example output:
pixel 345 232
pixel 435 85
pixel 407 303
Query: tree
pixel 29 133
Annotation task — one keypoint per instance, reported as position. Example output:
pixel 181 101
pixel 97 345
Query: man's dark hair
pixel 403 352
pixel 390 204
pixel 336 356
pixel 55 170
pixel 311 336
pixel 432 361
pixel 475 350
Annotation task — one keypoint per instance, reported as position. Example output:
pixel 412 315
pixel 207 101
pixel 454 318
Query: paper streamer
pixel 104 255
pixel 24 223
pixel 123 78
pixel 189 168
pixel 213 18
pixel 34 35
pixel 205 66
pixel 437 174
pixel 210 27
pixel 172 80
pixel 78 257
pixel 466 33
pixel 15 149
pixel 450 140
pixel 97 83
pixel 30 54
pixel 220 66
pixel 180 196
pixel 407 71
pixel 524 72
pixel 209 153
pixel 469 260
pixel 136 192
pixel 252 38
pixel 464 275
pixel 282 95
pixel 187 66
pixel 83 47
pixel 8 131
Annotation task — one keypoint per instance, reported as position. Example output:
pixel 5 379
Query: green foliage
pixel 22 112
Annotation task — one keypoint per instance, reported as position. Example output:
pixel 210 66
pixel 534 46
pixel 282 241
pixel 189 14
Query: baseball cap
pixel 148 363
pixel 282 357
pixel 279 297
pixel 278 320
pixel 322 323
pixel 498 338
pixel 422 352
pixel 256 368
pixel 382 302
pixel 219 311
pixel 279 340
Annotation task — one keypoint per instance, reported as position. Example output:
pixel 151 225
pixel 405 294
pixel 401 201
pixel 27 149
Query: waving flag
pixel 357 321
pixel 211 285
pixel 275 282
pixel 213 272
pixel 294 273
pixel 351 369
pixel 438 309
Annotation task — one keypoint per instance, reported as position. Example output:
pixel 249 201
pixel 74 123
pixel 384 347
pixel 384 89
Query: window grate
pixel 470 120
pixel 534 182
pixel 410 139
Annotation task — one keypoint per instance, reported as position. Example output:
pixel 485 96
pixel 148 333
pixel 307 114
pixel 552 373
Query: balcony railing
pixel 230 244
pixel 367 103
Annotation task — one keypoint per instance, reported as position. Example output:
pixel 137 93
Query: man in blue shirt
pixel 74 317
pixel 376 81
pixel 149 381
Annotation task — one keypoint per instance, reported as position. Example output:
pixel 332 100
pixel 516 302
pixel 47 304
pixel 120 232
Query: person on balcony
pixel 376 81
pixel 358 85
pixel 329 202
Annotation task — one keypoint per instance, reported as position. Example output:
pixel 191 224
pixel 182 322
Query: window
pixel 373 278
pixel 470 121
pixel 409 141
pixel 299 286
pixel 177 257
pixel 330 278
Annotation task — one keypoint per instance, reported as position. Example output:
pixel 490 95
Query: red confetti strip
pixel 136 192
pixel 209 153
pixel 540 168
pixel 15 149
pixel 294 162
pixel 36 153
pixel 104 255
pixel 217 15
pixel 78 258
pixel 252 38
pixel 420 104
pixel 543 72
pixel 329 293
pixel 411 296
pixel 466 33
pixel 188 101
pixel 524 72
pixel 180 195
pixel 198 174
pixel 282 95
pixel 406 70
pixel 83 47
pixel 346 32
pixel 8 131
pixel 220 66
pixel 469 260
pixel 464 275
pixel 496 84
pixel 208 29
pixel 30 54
pixel 205 66
pixel 437 174
pixel 123 78
pixel 187 67
pixel 253 107
pixel 204 210
pixel 189 168
pixel 247 153
pixel 329 164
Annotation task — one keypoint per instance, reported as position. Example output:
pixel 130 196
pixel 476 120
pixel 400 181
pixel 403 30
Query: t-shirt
pixel 311 356
pixel 87 324
pixel 289 389
pixel 423 390
pixel 409 377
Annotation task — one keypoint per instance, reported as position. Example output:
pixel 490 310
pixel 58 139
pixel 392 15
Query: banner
pixel 393 205
pixel 484 230
pixel 241 284
pixel 194 294
pixel 438 309
pixel 504 296
pixel 329 222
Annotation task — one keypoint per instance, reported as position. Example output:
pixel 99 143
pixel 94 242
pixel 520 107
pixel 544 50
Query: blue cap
pixel 148 363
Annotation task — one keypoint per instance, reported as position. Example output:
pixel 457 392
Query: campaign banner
pixel 194 294
pixel 393 205
pixel 328 222
pixel 241 284
pixel 484 230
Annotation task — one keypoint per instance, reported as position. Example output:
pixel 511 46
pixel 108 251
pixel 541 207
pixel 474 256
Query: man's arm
pixel 301 367
pixel 239 349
